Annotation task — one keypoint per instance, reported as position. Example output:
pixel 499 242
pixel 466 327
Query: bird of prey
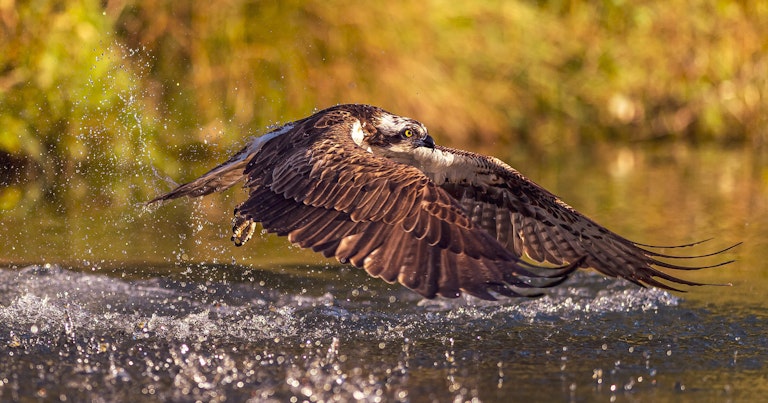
pixel 372 189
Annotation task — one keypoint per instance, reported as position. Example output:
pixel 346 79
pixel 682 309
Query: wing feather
pixel 385 217
pixel 529 220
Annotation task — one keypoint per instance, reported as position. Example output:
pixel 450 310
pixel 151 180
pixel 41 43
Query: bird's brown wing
pixel 332 196
pixel 527 219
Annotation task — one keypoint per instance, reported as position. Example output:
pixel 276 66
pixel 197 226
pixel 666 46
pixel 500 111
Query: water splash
pixel 186 337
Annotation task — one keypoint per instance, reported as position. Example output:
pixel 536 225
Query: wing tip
pixel 668 256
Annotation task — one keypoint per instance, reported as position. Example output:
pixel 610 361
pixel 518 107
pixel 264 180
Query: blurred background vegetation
pixel 101 91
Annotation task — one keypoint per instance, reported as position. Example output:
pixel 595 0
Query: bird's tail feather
pixel 217 179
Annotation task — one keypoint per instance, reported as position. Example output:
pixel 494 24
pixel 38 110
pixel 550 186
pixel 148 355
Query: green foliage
pixel 105 91
pixel 63 89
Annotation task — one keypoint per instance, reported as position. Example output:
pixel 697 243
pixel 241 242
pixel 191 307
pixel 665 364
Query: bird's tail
pixel 217 179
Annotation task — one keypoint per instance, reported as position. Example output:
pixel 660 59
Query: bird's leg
pixel 242 229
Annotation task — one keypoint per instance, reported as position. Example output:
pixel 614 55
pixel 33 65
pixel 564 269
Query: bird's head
pixel 397 135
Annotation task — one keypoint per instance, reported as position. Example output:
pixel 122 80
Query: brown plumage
pixel 372 189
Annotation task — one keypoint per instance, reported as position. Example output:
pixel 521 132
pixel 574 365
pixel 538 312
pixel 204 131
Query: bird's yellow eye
pixel 408 133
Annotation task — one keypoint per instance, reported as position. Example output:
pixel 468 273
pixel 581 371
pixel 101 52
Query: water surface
pixel 101 298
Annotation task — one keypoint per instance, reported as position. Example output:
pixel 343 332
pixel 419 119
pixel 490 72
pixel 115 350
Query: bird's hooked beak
pixel 427 141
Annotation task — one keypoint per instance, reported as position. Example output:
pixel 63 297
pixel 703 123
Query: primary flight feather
pixel 371 188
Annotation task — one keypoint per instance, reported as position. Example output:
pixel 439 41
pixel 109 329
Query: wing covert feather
pixel 385 217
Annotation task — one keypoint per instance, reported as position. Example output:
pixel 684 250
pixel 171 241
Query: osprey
pixel 372 189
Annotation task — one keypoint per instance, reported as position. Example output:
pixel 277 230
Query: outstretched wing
pixel 326 193
pixel 527 219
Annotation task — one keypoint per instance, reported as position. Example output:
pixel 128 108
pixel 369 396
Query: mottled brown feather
pixel 530 220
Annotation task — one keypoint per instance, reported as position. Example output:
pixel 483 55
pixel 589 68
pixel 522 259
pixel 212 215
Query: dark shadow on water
pixel 224 332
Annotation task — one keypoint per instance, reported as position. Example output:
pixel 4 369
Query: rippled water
pixel 69 334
